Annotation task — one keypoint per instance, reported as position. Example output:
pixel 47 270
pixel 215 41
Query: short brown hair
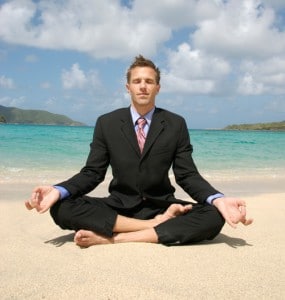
pixel 140 61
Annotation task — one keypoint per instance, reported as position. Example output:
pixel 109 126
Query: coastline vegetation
pixel 13 115
pixel 258 126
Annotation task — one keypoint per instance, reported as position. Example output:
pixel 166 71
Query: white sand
pixel 40 261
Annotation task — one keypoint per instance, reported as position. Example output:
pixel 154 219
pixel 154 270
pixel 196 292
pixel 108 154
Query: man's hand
pixel 233 210
pixel 43 197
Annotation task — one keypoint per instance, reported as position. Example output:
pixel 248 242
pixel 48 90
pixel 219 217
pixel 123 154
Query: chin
pixel 143 102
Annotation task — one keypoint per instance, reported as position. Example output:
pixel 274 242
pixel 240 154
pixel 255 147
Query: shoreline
pixel 236 183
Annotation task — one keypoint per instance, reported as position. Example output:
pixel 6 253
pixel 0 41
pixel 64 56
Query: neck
pixel 142 110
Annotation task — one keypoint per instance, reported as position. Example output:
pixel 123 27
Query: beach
pixel 40 261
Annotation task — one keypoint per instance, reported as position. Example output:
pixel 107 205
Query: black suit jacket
pixel 139 176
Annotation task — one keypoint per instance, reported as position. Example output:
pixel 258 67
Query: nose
pixel 143 84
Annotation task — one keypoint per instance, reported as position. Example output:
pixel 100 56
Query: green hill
pixel 13 115
pixel 258 126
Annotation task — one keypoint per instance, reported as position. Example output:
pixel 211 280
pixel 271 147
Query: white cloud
pixel 193 71
pixel 243 29
pixel 175 13
pixel 181 85
pixel 104 28
pixel 248 86
pixel 51 102
pixel 12 102
pixel 267 76
pixel 100 28
pixel 76 78
pixel 6 82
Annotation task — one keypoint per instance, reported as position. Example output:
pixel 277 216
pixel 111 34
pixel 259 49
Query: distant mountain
pixel 13 115
pixel 258 126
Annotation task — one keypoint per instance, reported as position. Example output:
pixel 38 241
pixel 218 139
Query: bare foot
pixel 86 238
pixel 173 211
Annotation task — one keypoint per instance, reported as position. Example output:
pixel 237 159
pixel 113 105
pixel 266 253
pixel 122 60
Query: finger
pixel 33 200
pixel 242 210
pixel 247 222
pixel 243 220
pixel 34 195
pixel 188 207
pixel 33 203
pixel 28 205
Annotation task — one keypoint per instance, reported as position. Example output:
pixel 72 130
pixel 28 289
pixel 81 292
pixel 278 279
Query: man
pixel 140 143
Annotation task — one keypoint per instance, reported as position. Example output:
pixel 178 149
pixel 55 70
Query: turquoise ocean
pixel 43 153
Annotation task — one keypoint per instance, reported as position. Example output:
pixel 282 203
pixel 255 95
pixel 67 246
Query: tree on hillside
pixel 2 119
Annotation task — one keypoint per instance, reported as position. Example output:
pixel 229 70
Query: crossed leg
pixel 130 229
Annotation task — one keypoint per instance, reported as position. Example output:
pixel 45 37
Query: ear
pixel 128 87
pixel 157 88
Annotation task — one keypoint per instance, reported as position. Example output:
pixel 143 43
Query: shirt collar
pixel 136 115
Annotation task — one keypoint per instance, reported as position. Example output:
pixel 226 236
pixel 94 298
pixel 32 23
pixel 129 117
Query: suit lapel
pixel 127 128
pixel 156 127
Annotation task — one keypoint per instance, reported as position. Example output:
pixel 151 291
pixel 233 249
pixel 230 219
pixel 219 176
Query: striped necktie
pixel 140 132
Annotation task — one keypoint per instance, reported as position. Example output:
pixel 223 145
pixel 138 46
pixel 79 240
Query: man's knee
pixel 213 222
pixel 84 213
pixel 59 214
pixel 204 222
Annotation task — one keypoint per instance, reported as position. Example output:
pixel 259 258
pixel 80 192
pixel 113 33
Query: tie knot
pixel 141 122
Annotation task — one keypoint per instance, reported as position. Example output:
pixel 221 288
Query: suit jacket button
pixel 144 198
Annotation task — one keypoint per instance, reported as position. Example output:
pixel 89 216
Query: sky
pixel 222 61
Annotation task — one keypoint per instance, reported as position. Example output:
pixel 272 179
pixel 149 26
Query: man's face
pixel 143 87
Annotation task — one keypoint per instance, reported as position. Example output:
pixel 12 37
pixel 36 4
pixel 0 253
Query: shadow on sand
pixel 61 240
pixel 225 239
pixel 220 239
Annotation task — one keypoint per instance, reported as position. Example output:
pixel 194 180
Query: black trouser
pixel 202 222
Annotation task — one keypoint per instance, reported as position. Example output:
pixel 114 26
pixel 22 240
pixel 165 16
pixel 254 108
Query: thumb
pixel 42 210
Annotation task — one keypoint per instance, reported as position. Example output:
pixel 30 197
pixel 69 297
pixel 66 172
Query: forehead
pixel 143 72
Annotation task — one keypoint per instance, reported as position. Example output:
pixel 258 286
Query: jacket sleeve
pixel 186 173
pixel 94 171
